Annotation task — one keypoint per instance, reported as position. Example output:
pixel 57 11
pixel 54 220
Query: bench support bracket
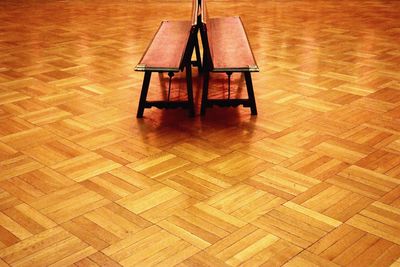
pixel 230 102
pixel 197 63
pixel 143 103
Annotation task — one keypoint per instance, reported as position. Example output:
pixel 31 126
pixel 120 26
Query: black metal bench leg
pixel 143 94
pixel 198 56
pixel 250 92
pixel 204 98
pixel 189 88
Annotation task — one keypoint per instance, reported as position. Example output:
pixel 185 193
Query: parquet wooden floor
pixel 313 180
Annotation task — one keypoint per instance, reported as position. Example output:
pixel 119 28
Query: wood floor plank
pixel 312 180
pixel 85 166
pixel 17 165
pixel 97 139
pixel 127 151
pixel 28 138
pixel 348 245
pixel 68 203
pixel 379 219
pixel 46 116
pixel 245 202
pixel 160 166
pixel 54 152
pixel 282 182
pixel 296 224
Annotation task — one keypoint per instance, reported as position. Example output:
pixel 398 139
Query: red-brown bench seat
pixel 229 46
pixel 166 50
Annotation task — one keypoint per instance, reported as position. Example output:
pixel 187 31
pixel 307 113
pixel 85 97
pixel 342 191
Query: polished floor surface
pixel 313 180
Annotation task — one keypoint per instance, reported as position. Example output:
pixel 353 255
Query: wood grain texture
pixel 313 180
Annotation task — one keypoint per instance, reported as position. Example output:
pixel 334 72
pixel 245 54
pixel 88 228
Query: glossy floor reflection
pixel 314 179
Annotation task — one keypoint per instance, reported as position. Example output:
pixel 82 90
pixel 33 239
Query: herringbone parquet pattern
pixel 313 180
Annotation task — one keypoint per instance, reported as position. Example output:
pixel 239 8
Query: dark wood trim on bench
pixel 143 94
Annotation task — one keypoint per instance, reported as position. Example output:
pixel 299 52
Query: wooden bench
pixel 226 49
pixel 171 51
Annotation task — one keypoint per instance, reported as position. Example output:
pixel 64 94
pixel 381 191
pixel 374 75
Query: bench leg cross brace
pixel 250 102
pixel 189 104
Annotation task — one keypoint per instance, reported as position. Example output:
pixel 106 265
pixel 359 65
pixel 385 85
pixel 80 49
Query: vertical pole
pixel 170 74
pixel 143 94
pixel 250 92
pixel 189 88
pixel 229 73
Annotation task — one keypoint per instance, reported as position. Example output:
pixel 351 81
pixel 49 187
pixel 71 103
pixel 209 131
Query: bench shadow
pixel 177 121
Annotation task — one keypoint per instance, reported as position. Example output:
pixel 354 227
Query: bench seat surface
pixel 229 46
pixel 167 47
